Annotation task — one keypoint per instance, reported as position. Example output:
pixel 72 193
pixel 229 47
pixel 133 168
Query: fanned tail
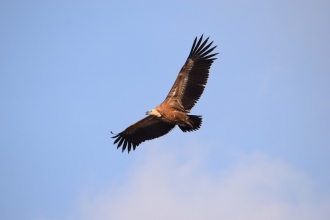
pixel 196 122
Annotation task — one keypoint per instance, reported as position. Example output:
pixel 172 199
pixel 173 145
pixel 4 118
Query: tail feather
pixel 196 122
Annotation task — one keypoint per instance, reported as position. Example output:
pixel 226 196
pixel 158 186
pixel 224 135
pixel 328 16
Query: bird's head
pixel 154 112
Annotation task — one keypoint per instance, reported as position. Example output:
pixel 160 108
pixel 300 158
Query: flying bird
pixel 185 92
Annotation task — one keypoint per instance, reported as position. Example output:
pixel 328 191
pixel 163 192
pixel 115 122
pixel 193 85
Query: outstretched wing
pixel 192 78
pixel 146 129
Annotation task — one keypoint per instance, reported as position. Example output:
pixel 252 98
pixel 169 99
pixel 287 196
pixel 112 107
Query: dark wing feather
pixel 192 78
pixel 146 129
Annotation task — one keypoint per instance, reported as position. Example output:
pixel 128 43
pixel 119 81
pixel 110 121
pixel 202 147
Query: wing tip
pixel 200 49
pixel 124 142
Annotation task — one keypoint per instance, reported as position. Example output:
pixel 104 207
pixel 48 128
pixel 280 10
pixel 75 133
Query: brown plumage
pixel 185 92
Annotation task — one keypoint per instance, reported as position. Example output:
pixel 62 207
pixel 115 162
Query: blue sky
pixel 72 71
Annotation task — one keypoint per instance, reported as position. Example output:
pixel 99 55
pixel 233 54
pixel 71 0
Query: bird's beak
pixel 147 113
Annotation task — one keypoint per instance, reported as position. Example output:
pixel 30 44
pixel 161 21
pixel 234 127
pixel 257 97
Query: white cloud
pixel 167 187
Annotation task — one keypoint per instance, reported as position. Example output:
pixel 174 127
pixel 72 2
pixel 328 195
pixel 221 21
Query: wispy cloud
pixel 165 186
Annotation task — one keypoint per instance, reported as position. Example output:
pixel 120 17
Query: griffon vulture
pixel 187 89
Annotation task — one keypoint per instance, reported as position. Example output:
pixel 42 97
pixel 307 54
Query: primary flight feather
pixel 185 92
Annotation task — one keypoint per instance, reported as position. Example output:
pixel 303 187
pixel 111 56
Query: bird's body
pixel 185 92
pixel 166 113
